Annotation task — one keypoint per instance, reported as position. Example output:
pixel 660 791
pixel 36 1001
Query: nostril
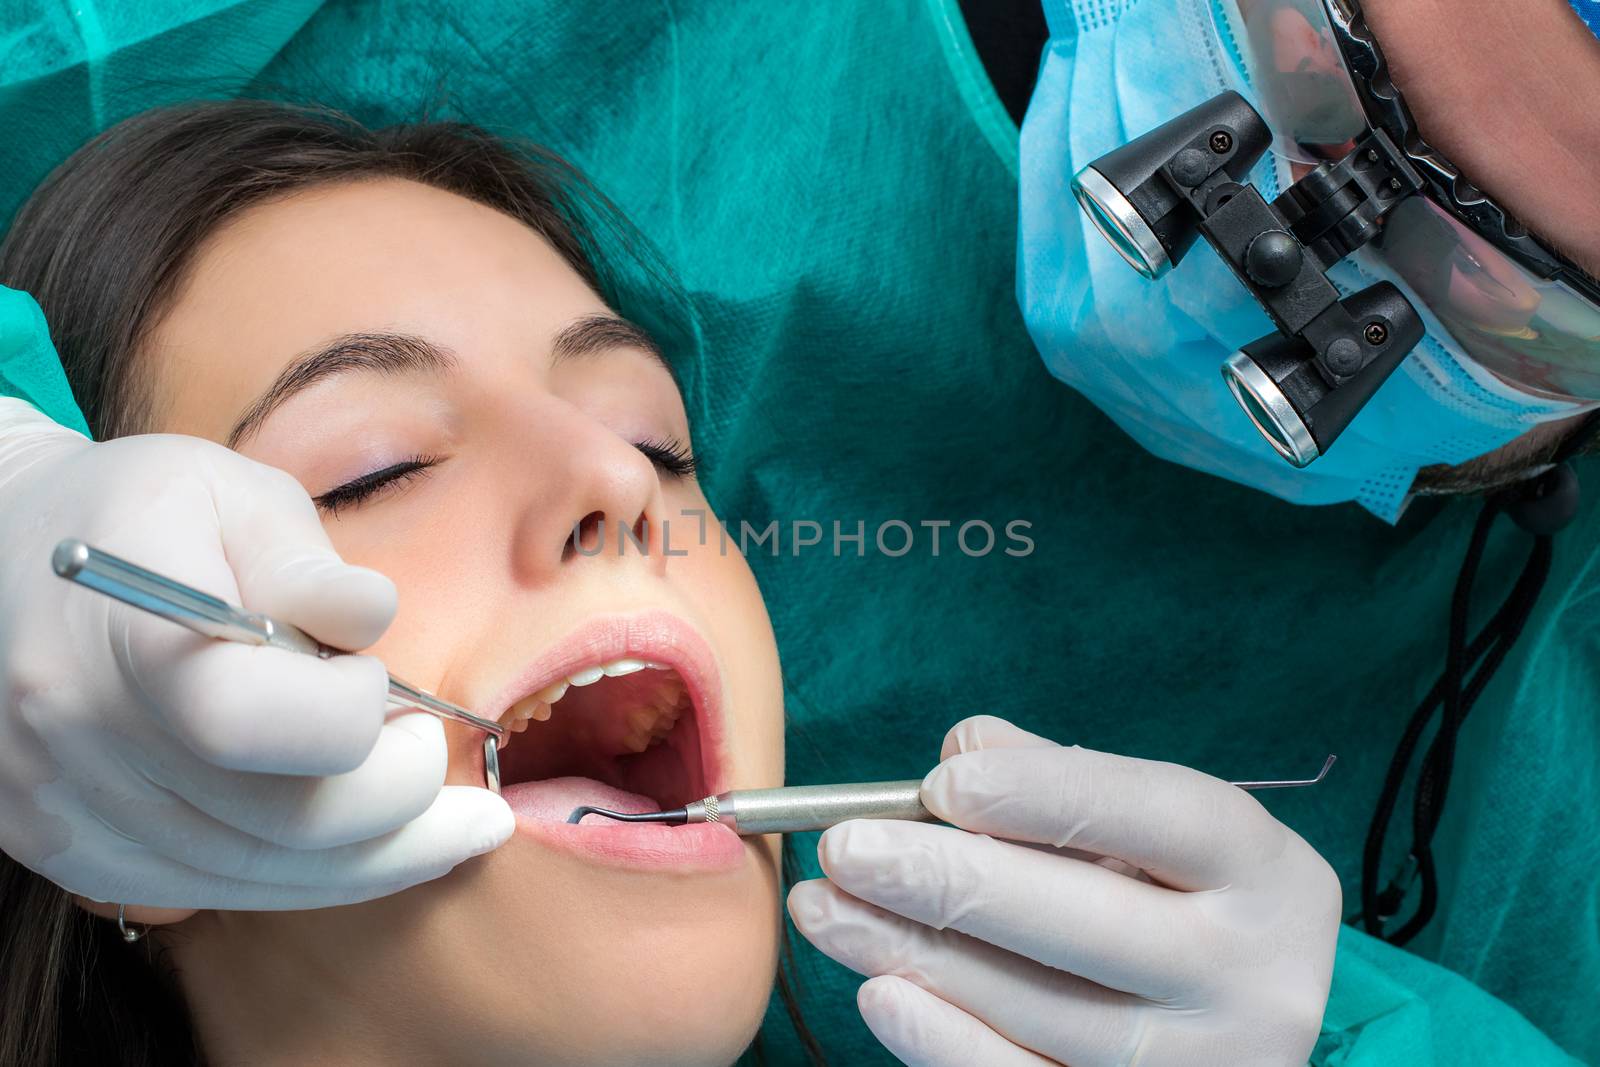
pixel 587 535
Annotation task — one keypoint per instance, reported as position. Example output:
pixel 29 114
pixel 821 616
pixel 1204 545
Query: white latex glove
pixel 143 764
pixel 982 951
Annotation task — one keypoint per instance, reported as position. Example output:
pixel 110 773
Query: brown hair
pixel 102 245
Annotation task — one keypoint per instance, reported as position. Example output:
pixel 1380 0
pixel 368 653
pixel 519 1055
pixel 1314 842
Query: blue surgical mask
pixel 1149 353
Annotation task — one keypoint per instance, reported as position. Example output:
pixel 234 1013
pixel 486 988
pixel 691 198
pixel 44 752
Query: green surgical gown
pixel 835 184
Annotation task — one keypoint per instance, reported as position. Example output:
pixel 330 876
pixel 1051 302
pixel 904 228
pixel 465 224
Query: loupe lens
pixel 1269 410
pixel 1120 224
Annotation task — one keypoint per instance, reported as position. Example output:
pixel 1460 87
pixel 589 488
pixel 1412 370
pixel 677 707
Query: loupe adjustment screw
pixel 1377 333
pixel 1273 258
pixel 1343 356
pixel 1221 141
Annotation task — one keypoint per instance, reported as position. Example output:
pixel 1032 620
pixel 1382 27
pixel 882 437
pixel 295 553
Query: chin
pixel 625 943
pixel 613 943
pixel 618 967
pixel 695 1007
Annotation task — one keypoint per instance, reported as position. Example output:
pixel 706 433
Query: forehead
pixel 380 254
pixel 1506 92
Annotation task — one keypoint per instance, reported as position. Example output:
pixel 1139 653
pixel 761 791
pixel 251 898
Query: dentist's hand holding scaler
pixel 143 764
pixel 1157 916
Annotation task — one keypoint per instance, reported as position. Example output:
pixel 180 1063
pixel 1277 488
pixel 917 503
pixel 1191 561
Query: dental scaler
pixel 798 808
pixel 790 809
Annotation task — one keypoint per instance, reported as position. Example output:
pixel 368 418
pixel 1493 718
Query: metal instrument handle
pixel 205 614
pixel 799 808
pixel 795 809
pixel 182 604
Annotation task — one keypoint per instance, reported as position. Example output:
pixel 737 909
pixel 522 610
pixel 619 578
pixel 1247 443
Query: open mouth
pixel 625 714
pixel 623 734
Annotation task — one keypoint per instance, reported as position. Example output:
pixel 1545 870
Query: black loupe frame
pixel 1303 384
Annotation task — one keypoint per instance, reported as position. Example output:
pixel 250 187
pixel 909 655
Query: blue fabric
pixel 1589 12
pixel 1389 1007
pixel 29 367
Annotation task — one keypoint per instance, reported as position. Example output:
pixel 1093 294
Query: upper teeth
pixel 538 705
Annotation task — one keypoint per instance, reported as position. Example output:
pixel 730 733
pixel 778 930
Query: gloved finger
pixel 1032 1006
pixel 921 1030
pixel 1063 912
pixel 979 732
pixel 125 872
pixel 1188 829
pixel 398 781
pixel 284 564
pixel 138 790
pixel 255 708
pixel 461 822
pixel 988 731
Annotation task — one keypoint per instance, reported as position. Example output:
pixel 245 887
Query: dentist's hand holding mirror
pixel 145 765
pixel 1082 908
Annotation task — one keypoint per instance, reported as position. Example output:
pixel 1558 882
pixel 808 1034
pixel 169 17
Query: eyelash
pixel 670 456
pixel 359 490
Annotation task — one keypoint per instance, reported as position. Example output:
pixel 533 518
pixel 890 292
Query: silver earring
pixel 130 934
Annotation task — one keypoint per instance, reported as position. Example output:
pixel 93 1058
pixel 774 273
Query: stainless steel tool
pixel 798 808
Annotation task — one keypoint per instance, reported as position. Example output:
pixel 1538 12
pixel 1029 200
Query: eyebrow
pixel 400 353
pixel 383 353
pixel 593 334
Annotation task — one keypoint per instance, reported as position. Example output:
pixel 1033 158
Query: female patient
pixel 411 323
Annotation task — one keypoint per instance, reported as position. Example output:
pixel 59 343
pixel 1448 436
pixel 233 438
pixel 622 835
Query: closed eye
pixel 359 490
pixel 671 456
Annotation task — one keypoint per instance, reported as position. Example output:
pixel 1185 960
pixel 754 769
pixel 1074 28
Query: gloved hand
pixel 143 764
pixel 1159 917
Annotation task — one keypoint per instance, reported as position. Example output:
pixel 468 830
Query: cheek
pixel 439 592
pixel 716 575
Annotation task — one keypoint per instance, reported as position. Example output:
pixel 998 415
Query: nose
pixel 588 498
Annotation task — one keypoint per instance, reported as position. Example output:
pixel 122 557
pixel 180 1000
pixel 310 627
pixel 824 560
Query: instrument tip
pixel 676 816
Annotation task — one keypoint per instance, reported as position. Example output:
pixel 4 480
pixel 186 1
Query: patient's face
pixel 569 944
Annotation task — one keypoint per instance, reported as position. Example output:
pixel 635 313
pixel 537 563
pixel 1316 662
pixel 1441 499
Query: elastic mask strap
pixel 1543 506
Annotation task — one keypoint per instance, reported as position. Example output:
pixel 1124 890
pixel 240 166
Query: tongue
pixel 553 799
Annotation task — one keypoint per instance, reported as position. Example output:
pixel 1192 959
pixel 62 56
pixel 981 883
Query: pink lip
pixel 662 637
pixel 704 847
